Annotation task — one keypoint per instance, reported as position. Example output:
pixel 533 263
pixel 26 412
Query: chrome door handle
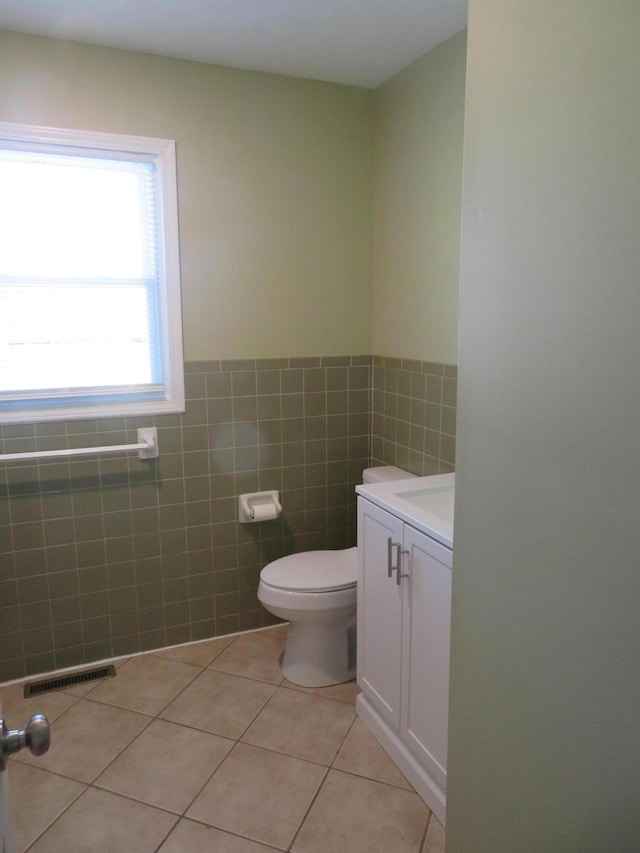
pixel 36 736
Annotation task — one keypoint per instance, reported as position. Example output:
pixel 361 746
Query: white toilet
pixel 315 591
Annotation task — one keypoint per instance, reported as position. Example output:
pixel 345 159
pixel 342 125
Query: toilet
pixel 315 591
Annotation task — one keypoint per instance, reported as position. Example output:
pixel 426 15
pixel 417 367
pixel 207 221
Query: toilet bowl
pixel 315 591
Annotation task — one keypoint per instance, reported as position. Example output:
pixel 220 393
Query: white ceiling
pixel 357 42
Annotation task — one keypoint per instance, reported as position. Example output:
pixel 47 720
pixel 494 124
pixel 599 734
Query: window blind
pixel 90 304
pixel 78 275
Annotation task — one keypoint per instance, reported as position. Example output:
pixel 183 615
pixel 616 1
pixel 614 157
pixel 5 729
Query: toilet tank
pixel 385 473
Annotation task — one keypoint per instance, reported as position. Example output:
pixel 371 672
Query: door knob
pixel 36 736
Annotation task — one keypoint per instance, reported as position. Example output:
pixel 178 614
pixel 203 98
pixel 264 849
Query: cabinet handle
pixel 399 574
pixel 390 566
pixel 398 566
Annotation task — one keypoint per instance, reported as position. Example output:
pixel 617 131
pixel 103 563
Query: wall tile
pixel 413 415
pixel 110 556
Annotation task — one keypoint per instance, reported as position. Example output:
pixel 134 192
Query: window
pixel 90 315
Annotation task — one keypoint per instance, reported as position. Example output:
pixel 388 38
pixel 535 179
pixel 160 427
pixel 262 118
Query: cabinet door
pixel 379 612
pixel 425 652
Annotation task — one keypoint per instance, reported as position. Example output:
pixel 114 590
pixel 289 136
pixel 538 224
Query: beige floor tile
pixel 198 654
pixel 301 725
pixel 18 710
pixel 254 655
pixel 434 842
pixel 37 799
pixel 262 788
pixel 100 822
pixel 346 692
pixel 166 765
pixel 82 689
pixel 86 738
pixel 362 816
pixel 145 684
pixel 362 754
pixel 191 837
pixel 220 703
pixel 259 794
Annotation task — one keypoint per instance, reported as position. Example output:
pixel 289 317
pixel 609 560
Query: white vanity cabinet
pixel 404 606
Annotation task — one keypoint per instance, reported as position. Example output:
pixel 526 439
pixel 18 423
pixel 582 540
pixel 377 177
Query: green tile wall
pixel 413 417
pixel 110 555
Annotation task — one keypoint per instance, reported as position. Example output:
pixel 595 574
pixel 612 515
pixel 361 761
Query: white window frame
pixel 170 398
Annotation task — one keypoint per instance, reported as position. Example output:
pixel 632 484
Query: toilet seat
pixel 313 571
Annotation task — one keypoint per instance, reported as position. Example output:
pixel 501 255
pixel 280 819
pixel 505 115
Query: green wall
pixel 418 133
pixel 545 683
pixel 274 175
pixel 315 219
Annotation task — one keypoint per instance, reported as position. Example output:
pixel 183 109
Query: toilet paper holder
pixel 259 506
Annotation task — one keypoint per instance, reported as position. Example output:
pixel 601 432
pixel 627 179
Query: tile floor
pixel 207 748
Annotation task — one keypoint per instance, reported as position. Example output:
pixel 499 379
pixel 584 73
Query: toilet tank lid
pixel 385 473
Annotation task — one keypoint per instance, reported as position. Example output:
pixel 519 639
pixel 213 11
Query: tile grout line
pixel 200 822
pixel 425 835
pixel 58 816
pixel 320 786
pixel 308 810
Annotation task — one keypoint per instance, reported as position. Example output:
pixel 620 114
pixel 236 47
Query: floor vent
pixel 45 685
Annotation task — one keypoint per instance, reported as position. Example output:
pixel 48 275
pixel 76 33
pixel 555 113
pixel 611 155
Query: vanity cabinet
pixel 404 606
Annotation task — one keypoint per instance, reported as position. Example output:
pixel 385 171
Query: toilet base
pixel 320 654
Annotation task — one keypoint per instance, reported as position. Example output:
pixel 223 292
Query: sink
pixel 424 502
pixel 437 501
